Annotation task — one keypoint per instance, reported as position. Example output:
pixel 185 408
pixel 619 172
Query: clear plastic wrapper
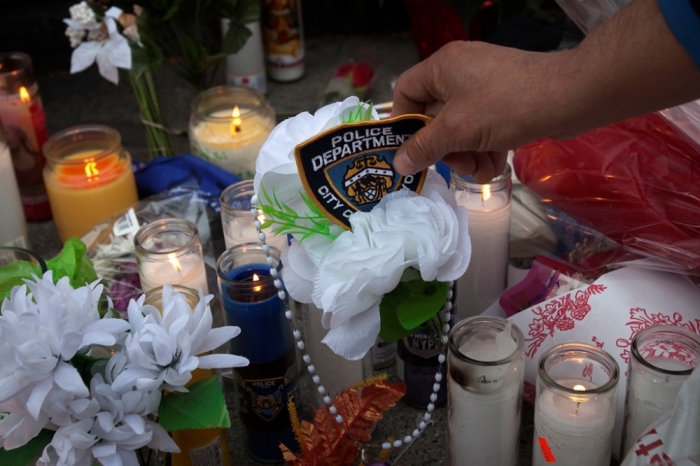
pixel 636 182
pixel 589 14
pixel 111 247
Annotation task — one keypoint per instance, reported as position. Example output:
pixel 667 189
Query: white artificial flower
pixel 110 53
pixel 164 348
pixel 75 36
pixel 109 427
pixel 42 327
pixel 82 14
pixel 435 232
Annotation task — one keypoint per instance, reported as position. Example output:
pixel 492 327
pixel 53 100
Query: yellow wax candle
pixel 235 150
pixel 86 187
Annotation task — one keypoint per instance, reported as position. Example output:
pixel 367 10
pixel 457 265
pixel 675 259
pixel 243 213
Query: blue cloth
pixel 165 173
pixel 684 21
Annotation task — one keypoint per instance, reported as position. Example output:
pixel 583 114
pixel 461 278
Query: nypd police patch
pixel 350 168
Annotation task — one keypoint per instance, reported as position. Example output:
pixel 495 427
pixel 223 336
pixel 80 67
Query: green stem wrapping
pixel 158 137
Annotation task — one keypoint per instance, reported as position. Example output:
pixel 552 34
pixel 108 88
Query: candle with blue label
pixel 251 302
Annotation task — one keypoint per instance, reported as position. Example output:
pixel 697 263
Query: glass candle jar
pixel 198 447
pixel 251 301
pixel 486 369
pixel 488 206
pixel 238 223
pixel 229 125
pixel 22 115
pixel 13 228
pixel 662 358
pixel 88 177
pixel 169 251
pixel 575 406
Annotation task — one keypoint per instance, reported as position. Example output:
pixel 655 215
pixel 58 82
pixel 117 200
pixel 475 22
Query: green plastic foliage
pixel 73 263
pixel 203 407
pixel 409 306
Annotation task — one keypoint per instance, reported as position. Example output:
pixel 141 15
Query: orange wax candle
pixel 88 177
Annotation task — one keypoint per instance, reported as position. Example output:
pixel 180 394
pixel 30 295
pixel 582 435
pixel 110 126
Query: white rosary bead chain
pixel 445 316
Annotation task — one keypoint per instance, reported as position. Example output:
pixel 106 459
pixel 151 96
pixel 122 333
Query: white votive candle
pixel 489 210
pixel 661 359
pixel 229 125
pixel 169 251
pixel 575 406
pixel 485 367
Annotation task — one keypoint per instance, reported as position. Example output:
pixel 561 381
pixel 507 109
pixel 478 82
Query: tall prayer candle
pixel 486 370
pixel 662 358
pixel 22 115
pixel 251 301
pixel 575 406
pixel 198 447
pixel 238 224
pixel 169 251
pixel 228 126
pixel 488 206
pixel 88 177
pixel 13 229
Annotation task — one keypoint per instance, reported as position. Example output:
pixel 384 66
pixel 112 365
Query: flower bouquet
pixel 81 386
pixel 375 250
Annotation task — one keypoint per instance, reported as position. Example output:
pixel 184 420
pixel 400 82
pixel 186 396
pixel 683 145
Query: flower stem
pixel 158 136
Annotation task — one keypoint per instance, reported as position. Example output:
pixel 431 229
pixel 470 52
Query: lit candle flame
pixel 23 94
pixel 173 260
pixel 235 120
pixel 485 192
pixel 255 279
pixel 579 388
pixel 91 169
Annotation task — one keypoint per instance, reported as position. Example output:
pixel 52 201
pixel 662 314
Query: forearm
pixel 630 65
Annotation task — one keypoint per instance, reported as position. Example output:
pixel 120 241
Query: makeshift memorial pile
pixel 375 250
pixel 82 386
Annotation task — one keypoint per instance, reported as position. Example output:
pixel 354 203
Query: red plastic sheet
pixel 637 182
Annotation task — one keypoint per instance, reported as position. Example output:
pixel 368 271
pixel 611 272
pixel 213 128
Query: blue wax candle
pixel 264 387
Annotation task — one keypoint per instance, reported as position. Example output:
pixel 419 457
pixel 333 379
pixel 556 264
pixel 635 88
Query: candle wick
pixel 578 403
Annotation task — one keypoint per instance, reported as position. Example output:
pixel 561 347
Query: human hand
pixel 484 100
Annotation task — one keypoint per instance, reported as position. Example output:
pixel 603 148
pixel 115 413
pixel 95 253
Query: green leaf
pixel 27 454
pixel 146 58
pixel 247 11
pixel 73 263
pixel 14 273
pixel 203 407
pixel 172 10
pixel 410 305
pixel 83 365
pixel 235 38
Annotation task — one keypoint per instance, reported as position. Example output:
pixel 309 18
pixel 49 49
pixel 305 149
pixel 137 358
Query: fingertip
pixel 403 163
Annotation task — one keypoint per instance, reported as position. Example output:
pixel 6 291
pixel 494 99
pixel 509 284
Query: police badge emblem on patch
pixel 350 168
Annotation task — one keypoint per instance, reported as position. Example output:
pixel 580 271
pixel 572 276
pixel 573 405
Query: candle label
pixel 350 168
pixel 264 391
pixel 546 451
pixel 208 455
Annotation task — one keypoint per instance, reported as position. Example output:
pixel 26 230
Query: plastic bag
pixel 636 182
pixel 111 243
pixel 588 15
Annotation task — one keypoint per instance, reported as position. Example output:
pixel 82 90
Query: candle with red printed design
pixel 22 116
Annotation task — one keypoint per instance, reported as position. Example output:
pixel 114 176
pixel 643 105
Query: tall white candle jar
pixel 488 206
pixel 662 358
pixel 238 224
pixel 484 391
pixel 229 125
pixel 169 251
pixel 247 66
pixel 575 406
pixel 13 228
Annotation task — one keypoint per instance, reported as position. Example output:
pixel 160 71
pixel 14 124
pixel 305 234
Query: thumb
pixel 424 148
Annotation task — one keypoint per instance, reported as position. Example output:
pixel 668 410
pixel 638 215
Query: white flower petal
pixel 355 337
pixel 83 56
pixel 222 361
pixel 68 378
pixel 161 441
pixel 38 395
pixel 107 69
pixel 217 337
